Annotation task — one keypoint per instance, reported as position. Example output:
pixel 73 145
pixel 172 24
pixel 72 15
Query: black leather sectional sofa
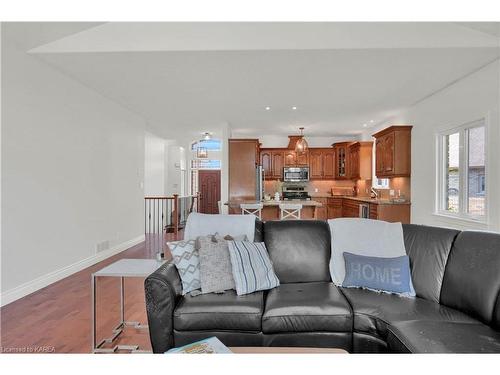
pixel 456 276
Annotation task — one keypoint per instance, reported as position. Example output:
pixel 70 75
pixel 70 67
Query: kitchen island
pixel 271 210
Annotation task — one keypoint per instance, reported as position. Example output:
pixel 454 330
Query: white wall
pixel 72 169
pixel 154 165
pixel 473 97
pixel 173 169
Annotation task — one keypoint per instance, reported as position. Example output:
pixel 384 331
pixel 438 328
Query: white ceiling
pixel 189 77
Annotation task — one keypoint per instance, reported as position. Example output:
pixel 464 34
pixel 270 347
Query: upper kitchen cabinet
pixel 360 160
pixel 290 158
pixel 266 162
pixel 393 151
pixel 341 160
pixel 302 158
pixel 316 164
pixel 277 164
pixel 272 161
pixel 321 163
pixel 329 164
pixel 294 159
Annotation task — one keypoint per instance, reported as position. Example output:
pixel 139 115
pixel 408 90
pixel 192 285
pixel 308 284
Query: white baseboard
pixel 45 280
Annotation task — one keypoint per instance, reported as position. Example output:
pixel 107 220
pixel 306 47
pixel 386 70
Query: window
pixel 481 184
pixel 462 181
pixel 380 183
pixel 377 183
pixel 205 164
pixel 207 144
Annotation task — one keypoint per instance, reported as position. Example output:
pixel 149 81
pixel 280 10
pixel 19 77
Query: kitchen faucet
pixel 374 192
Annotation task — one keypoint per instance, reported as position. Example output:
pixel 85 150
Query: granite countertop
pixel 359 199
pixel 303 202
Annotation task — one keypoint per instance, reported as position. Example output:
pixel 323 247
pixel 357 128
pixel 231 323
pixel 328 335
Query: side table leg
pixel 122 300
pixel 93 302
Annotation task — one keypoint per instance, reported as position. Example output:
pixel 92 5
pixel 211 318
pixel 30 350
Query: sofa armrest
pixel 163 289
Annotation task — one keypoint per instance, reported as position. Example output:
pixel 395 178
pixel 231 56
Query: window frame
pixel 463 163
pixel 196 144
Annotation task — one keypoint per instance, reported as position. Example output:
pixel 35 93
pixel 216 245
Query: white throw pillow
pixel 366 237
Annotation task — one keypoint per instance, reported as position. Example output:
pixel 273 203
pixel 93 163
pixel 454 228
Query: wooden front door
pixel 209 186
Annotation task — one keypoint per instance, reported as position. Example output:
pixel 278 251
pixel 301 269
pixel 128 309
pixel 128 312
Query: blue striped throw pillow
pixel 252 268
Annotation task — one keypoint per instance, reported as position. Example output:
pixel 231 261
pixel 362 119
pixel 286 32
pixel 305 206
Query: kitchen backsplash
pixel 401 184
pixel 323 186
pixel 363 186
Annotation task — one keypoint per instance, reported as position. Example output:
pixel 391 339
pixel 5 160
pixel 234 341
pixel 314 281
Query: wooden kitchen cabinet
pixel 393 213
pixel 293 159
pixel 353 156
pixel 272 161
pixel 334 207
pixel 341 160
pixel 322 212
pixel 321 164
pixel 290 158
pixel 360 160
pixel 316 164
pixel 266 163
pixel 302 158
pixel 329 164
pixel 393 151
pixel 346 207
pixel 243 158
pixel 277 164
pixel 350 208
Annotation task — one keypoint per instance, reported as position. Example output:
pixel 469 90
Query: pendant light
pixel 202 153
pixel 301 146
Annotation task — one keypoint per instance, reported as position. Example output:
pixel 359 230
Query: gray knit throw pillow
pixel 216 273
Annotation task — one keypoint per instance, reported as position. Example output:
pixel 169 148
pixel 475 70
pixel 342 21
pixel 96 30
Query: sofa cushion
pixel 442 337
pixel 299 249
pixel 225 311
pixel 306 307
pixel 374 312
pixel 472 278
pixel 428 249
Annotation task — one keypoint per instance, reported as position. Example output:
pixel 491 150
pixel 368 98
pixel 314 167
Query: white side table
pixel 122 268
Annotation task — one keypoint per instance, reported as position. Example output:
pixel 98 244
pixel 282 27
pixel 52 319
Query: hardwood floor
pixel 57 318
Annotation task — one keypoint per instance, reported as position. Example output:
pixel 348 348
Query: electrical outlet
pixel 316 190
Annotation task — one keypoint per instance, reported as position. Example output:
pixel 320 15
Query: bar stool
pixel 290 211
pixel 252 209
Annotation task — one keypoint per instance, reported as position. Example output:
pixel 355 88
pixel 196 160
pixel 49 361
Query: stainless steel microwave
pixel 295 174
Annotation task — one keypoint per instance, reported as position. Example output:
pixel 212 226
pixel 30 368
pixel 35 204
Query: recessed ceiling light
pixel 294 108
pixel 268 108
pixel 365 125
pixel 372 121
